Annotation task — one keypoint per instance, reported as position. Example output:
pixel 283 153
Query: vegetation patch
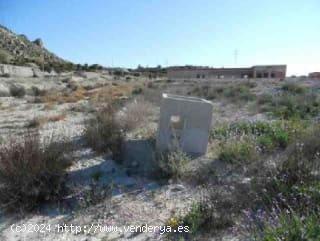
pixel 135 114
pixel 238 152
pixel 173 164
pixel 40 121
pixel 234 93
pixel 266 136
pixel 32 172
pixel 288 200
pixel 293 102
pixel 103 132
pixel 214 211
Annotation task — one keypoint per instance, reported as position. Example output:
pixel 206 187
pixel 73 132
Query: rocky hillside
pixel 19 50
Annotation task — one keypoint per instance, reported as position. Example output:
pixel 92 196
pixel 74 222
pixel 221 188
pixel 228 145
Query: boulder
pixel 38 42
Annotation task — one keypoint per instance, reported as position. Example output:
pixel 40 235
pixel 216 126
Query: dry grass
pixel 64 97
pixel 40 121
pixel 31 172
pixel 135 114
pixel 103 133
pixel 105 94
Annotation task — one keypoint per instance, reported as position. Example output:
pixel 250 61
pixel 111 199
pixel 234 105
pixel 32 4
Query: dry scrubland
pixel 79 149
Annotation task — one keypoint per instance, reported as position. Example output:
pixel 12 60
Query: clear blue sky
pixel 174 32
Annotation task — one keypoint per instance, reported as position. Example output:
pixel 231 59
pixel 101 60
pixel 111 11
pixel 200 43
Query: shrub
pixel 292 228
pixel 137 91
pixel 173 164
pixel 264 99
pixel 266 143
pixel 31 172
pixel 6 75
pixel 103 133
pixel 238 152
pixel 17 91
pixel 238 92
pixel 4 57
pixel 293 88
pixel 289 197
pixel 292 106
pixel 269 135
pixel 37 92
pixel 215 210
pixel 135 114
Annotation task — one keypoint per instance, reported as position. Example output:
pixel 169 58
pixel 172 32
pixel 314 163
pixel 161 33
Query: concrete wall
pixel 267 71
pixel 191 132
pixel 314 75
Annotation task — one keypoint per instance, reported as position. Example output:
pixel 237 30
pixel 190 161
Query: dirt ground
pixel 134 199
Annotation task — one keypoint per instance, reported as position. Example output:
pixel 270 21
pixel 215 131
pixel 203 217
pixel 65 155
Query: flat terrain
pixel 103 191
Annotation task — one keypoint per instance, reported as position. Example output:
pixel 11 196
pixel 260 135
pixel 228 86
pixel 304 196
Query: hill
pixel 17 49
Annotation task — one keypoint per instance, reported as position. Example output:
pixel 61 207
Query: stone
pixel 38 42
pixel 185 123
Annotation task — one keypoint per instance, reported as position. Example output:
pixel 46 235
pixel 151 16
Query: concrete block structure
pixel 207 73
pixel 184 123
pixel 314 75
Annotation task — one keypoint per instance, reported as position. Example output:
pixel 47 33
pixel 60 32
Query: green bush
pixel 235 93
pixel 266 143
pixel 238 152
pixel 173 164
pixel 294 88
pixel 290 196
pixel 4 57
pixel 291 106
pixel 293 228
pixel 195 218
pixel 269 136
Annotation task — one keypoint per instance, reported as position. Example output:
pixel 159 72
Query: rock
pixel 38 42
pixel 177 188
pixel 4 90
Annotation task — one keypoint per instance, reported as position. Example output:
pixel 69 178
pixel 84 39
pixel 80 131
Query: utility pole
pixel 235 57
pixel 42 62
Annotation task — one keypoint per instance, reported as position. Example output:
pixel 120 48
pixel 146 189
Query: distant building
pixel 151 72
pixel 258 71
pixel 314 75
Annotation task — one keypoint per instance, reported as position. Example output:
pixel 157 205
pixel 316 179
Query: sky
pixel 217 33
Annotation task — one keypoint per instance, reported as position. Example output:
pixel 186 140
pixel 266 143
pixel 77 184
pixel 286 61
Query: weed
pixel 238 152
pixel 103 133
pixel 135 114
pixel 31 172
pixel 293 88
pixel 291 106
pixel 173 164
pixel 238 92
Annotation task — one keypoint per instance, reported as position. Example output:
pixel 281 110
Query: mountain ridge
pixel 17 49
